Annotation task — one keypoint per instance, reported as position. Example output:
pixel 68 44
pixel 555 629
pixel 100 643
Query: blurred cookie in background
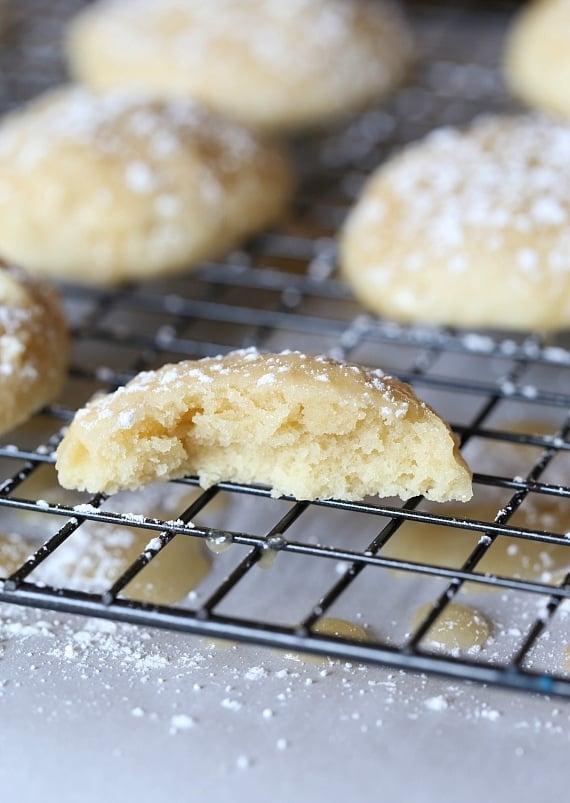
pixel 537 56
pixel 103 189
pixel 266 63
pixel 469 228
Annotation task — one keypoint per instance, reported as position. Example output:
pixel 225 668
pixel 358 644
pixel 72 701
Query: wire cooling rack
pixel 376 562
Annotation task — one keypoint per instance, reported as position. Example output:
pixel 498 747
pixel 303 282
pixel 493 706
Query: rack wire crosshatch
pixel 281 292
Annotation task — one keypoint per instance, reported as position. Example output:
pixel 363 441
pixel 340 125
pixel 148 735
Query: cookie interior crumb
pixel 308 427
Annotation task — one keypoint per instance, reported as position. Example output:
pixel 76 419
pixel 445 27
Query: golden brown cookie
pixel 33 346
pixel 468 228
pixel 265 63
pixel 308 427
pixel 104 189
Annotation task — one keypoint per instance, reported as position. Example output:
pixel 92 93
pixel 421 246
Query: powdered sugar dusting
pixel 264 371
pixel 32 345
pixel 118 124
pixel 501 174
pixel 21 317
pixel 263 33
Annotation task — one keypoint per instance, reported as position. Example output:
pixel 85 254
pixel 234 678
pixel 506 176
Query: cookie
pixel 266 63
pixel 468 228
pixel 537 56
pixel 105 189
pixel 308 427
pixel 33 346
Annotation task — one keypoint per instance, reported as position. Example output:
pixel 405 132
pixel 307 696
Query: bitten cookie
pixel 266 63
pixel 468 228
pixel 537 56
pixel 308 427
pixel 33 346
pixel 104 189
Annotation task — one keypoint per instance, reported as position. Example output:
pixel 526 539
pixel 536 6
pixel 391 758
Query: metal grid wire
pixel 504 396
